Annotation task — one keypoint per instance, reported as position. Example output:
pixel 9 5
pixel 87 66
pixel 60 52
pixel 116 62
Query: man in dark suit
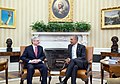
pixel 33 56
pixel 76 60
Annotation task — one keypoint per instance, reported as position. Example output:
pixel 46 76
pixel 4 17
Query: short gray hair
pixel 34 38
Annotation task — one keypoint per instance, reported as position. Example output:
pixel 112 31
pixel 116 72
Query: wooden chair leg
pixel 21 81
pixel 60 78
pixel 6 75
pixel 86 82
pixel 40 78
pixel 49 79
pixel 90 79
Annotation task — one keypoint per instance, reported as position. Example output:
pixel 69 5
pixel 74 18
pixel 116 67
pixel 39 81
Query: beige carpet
pixel 14 78
pixel 53 81
pixel 15 74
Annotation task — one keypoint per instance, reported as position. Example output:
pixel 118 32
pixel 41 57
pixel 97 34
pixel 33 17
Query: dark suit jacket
pixel 81 55
pixel 80 52
pixel 29 54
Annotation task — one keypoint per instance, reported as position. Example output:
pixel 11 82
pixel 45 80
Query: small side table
pixel 4 66
pixel 106 65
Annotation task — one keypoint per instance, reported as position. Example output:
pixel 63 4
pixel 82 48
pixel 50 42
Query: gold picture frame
pixel 110 17
pixel 61 10
pixel 7 18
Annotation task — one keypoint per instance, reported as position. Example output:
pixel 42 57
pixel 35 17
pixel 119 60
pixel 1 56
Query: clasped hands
pixel 35 61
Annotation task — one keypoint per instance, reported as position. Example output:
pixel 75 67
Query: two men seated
pixel 33 57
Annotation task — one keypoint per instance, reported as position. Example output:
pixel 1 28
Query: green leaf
pixel 60 26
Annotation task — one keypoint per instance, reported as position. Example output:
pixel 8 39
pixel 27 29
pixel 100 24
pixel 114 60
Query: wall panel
pixel 29 11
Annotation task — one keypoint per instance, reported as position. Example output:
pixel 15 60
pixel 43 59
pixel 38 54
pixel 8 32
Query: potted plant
pixel 68 27
pixel 61 27
pixel 54 26
pixel 82 26
pixel 39 26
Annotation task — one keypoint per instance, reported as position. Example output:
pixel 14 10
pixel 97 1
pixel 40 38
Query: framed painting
pixel 110 17
pixel 61 10
pixel 7 18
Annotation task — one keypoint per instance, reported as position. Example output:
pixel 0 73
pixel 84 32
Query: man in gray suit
pixel 75 61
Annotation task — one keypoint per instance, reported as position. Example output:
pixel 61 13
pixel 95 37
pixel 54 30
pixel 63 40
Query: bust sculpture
pixel 9 44
pixel 114 47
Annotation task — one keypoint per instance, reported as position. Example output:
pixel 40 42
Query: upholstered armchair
pixel 4 66
pixel 83 74
pixel 23 70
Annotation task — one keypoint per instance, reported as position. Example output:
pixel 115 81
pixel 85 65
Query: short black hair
pixel 76 37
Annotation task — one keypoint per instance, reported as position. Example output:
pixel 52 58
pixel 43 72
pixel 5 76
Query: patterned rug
pixel 15 74
pixel 11 75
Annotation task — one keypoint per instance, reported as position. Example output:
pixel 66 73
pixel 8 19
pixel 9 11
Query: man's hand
pixel 67 60
pixel 35 61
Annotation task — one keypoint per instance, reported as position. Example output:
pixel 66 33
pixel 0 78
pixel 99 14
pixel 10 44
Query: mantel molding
pixel 60 33
pixel 63 37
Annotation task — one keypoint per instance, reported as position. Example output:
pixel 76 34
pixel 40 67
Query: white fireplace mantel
pixel 60 33
pixel 60 39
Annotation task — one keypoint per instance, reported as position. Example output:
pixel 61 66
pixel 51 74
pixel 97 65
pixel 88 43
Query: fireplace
pixel 55 45
pixel 56 57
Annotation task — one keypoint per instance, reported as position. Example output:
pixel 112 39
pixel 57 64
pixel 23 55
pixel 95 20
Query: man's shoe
pixel 62 82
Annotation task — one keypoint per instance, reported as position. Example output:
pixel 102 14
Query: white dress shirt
pixel 74 54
